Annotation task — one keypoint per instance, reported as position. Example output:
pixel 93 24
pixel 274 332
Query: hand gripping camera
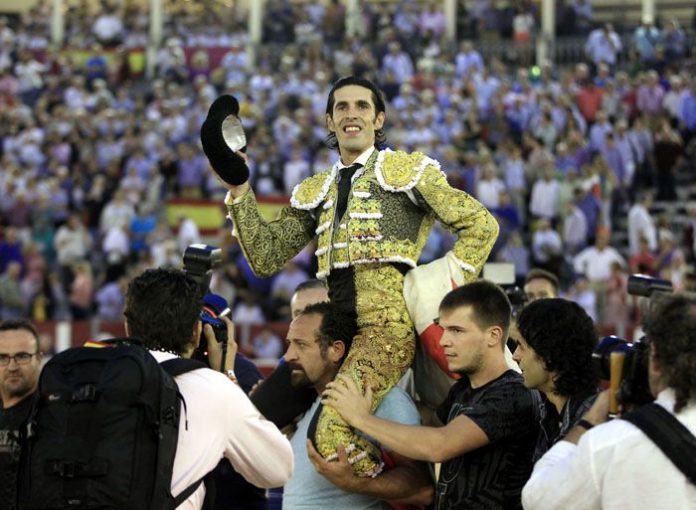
pixel 625 364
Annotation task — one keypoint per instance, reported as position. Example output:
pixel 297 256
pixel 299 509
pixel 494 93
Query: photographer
pixel 554 350
pixel 162 310
pixel 615 464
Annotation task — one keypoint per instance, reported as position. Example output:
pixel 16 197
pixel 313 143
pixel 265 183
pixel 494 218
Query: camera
pixel 518 298
pixel 625 364
pixel 199 262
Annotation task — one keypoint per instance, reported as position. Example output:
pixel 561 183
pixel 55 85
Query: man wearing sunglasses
pixel 20 365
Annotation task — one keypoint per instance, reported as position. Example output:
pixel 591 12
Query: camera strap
pixel 669 434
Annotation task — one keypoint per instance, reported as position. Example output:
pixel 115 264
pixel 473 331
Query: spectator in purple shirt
pixel 650 95
pixel 10 249
pixel 191 171
pixel 613 157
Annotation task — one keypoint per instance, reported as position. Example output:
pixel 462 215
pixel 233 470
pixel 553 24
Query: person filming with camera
pixel 646 459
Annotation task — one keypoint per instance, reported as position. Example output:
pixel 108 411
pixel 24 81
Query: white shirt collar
pixel 361 160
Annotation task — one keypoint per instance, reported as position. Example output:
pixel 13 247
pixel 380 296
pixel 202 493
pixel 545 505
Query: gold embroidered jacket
pixel 392 205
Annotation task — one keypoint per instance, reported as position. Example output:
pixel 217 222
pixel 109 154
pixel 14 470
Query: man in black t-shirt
pixel 491 429
pixel 20 365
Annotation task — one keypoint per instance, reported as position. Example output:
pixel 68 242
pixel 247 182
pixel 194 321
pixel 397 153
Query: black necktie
pixel 344 181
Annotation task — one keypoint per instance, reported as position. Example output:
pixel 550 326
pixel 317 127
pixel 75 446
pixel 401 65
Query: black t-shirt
pixel 11 420
pixel 490 477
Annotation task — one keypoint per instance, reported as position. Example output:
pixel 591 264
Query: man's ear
pixel 330 124
pixel 495 336
pixel 379 120
pixel 337 350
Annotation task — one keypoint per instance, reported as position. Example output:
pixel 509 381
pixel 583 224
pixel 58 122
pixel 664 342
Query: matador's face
pixel 354 120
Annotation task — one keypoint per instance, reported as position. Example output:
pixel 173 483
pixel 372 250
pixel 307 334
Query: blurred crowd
pixel 565 157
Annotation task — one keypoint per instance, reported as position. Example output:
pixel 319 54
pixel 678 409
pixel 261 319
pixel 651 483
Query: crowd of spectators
pixel 91 150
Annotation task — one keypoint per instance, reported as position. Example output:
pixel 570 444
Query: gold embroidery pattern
pixel 269 245
pixel 475 227
pixel 364 228
pixel 379 356
pixel 398 168
pixel 309 193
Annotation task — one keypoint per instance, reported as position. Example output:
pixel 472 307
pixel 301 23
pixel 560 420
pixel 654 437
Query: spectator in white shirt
pixel 489 187
pixel 248 312
pixel 595 262
pixel 118 211
pixel 267 345
pixel 547 246
pixel 398 62
pixel 108 28
pixel 575 229
pixel 296 169
pixel 545 193
pixel 467 60
pixel 188 233
pixel 641 224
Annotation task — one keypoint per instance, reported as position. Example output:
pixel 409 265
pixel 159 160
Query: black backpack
pixel 103 431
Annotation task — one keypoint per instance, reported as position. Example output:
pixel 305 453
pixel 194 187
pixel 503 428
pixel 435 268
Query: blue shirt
pixel 308 490
pixel 688 112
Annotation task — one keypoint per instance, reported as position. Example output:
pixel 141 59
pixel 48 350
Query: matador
pixel 371 214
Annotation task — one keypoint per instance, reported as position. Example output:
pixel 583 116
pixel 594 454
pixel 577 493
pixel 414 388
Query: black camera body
pixel 518 298
pixel 633 386
pixel 199 262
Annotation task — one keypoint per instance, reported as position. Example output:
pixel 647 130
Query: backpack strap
pixel 178 366
pixel 669 434
pixel 175 367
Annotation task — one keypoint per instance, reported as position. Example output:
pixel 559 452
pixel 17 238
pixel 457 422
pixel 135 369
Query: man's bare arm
pixel 432 444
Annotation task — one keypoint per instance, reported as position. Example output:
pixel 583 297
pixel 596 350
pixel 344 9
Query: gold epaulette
pixel 400 171
pixel 309 193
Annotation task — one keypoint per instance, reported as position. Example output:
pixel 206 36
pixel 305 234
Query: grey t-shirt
pixel 308 490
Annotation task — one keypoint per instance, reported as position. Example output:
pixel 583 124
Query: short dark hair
pixel 337 323
pixel 377 99
pixel 489 302
pixel 162 308
pixel 311 284
pixel 22 324
pixel 538 273
pixel 564 337
pixel 672 331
